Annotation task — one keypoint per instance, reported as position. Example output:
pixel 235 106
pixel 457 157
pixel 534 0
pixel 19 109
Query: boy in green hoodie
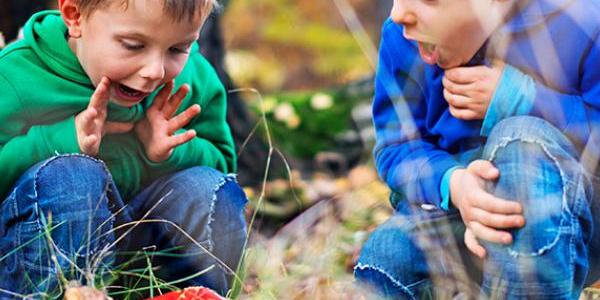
pixel 93 138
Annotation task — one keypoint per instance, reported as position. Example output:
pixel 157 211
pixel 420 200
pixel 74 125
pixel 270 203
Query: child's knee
pixel 202 197
pixel 78 177
pixel 209 184
pixel 66 188
pixel 530 130
pixel 551 190
pixel 538 170
pixel 62 208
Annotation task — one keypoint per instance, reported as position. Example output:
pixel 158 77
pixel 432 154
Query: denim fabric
pixel 420 251
pixel 90 227
pixel 202 204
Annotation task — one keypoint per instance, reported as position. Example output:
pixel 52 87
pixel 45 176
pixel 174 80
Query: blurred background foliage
pixel 315 77
pixel 316 86
pixel 296 44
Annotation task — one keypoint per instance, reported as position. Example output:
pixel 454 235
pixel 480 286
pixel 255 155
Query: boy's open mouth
pixel 130 94
pixel 429 53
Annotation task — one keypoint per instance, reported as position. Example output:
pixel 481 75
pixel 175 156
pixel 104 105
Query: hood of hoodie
pixel 532 13
pixel 46 33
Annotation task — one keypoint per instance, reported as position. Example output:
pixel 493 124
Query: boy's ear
pixel 69 10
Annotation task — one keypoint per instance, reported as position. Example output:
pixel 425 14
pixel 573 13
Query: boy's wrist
pixel 445 204
pixel 453 178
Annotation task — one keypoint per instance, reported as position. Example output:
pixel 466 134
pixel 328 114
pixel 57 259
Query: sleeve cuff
pixel 445 188
pixel 514 96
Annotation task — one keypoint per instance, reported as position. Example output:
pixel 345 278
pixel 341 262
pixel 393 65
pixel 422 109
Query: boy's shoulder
pixel 586 14
pixel 578 15
pixel 17 58
pixel 14 52
pixel 23 55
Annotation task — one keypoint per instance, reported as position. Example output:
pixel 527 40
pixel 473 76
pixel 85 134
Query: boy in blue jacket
pixel 487 114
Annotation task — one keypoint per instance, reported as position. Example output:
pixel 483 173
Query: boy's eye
pixel 132 46
pixel 180 50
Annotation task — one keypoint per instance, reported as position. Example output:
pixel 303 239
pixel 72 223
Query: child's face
pixel 138 47
pixel 449 32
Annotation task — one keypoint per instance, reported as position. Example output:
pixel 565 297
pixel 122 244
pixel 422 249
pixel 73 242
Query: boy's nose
pixel 402 13
pixel 153 70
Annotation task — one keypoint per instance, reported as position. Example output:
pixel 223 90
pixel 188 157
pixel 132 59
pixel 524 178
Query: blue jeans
pixel 64 220
pixel 419 252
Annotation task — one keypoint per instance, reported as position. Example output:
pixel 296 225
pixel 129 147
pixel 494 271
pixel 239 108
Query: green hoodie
pixel 43 87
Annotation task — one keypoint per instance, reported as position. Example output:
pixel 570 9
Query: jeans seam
pixel 222 181
pixel 14 207
pixel 572 251
pixel 502 143
pixel 404 288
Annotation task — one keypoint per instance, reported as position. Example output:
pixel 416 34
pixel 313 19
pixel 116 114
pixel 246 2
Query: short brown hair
pixel 177 9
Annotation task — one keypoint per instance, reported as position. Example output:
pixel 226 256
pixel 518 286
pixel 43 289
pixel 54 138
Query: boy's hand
pixel 469 90
pixel 157 129
pixel 91 124
pixel 483 213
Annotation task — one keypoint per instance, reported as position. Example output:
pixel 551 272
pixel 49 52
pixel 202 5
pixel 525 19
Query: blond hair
pixel 179 10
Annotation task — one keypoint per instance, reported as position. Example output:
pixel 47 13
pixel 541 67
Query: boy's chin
pixel 449 64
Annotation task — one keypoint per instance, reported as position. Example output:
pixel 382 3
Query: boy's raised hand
pixel 157 129
pixel 91 124
pixel 469 90
pixel 486 217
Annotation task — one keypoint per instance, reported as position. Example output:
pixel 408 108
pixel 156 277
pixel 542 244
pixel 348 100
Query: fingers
pixel 496 220
pixel 101 95
pixel 489 234
pixel 473 245
pixel 163 96
pixel 484 169
pixel 180 139
pixel 463 107
pixel 117 127
pixel 183 118
pixel 87 121
pixel 463 114
pixel 480 198
pixel 465 75
pixel 90 144
pixel 172 105
pixel 488 202
pixel 456 100
pixel 458 88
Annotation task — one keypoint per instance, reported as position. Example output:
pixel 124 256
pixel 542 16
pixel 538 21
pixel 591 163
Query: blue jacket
pixel 554 45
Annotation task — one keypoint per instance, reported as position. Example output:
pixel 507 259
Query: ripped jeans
pixel 419 253
pixel 64 219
